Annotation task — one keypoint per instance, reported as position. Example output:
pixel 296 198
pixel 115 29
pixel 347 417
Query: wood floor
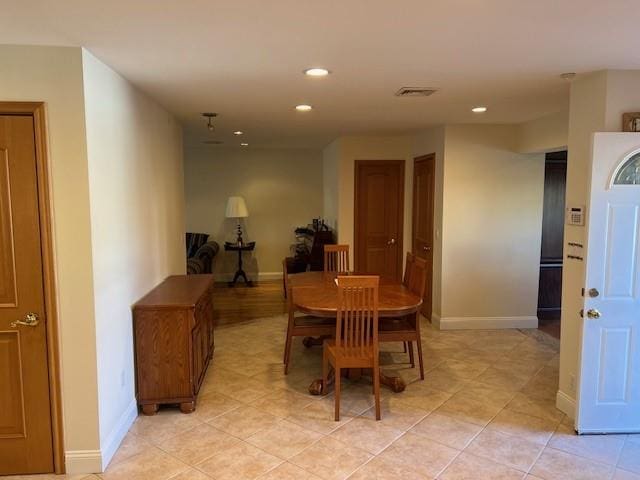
pixel 241 303
pixel 550 326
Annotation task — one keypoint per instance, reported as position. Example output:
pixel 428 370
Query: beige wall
pixel 282 188
pixel 596 104
pixel 136 191
pixel 488 218
pixel 330 183
pixel 543 134
pixel 492 226
pixel 354 148
pixel 54 75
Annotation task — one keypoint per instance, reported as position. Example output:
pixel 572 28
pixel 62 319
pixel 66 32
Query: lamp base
pixel 239 240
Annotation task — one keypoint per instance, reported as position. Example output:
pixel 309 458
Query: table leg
pixel 240 273
pixel 314 341
pixel 317 387
pixel 395 384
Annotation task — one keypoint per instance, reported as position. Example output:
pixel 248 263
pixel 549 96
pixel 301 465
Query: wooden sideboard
pixel 173 340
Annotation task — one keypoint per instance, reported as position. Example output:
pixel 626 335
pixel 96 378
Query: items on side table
pixel 309 247
pixel 173 341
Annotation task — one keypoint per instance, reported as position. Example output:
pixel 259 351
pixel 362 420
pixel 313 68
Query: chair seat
pixel 395 325
pixel 348 352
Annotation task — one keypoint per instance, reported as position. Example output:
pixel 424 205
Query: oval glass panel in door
pixel 629 174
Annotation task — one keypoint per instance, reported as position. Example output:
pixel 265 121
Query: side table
pixel 240 247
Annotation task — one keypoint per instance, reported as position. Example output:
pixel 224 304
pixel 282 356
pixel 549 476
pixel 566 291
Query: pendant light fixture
pixel 210 116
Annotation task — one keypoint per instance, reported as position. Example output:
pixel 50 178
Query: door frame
pixel 416 160
pixel 356 215
pixel 37 110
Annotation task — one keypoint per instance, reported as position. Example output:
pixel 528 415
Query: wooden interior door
pixel 25 414
pixel 379 204
pixel 424 185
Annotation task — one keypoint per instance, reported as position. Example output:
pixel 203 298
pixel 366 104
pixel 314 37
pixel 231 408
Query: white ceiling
pixel 244 58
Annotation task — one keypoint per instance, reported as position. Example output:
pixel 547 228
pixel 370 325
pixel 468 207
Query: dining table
pixel 316 293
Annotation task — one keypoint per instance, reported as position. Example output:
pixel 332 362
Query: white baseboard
pixel 83 461
pixel 566 404
pixel 485 323
pixel 115 437
pixel 227 277
pixel 436 320
pixel 96 461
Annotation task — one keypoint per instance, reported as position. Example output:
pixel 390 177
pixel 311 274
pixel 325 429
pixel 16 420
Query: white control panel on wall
pixel 575 215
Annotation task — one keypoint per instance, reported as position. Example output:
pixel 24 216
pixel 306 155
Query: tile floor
pixel 484 411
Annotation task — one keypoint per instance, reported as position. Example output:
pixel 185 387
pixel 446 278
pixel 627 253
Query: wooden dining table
pixel 317 294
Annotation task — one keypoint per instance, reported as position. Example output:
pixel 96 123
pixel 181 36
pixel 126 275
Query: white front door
pixel 609 378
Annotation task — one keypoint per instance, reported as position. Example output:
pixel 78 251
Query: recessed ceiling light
pixel 303 108
pixel 479 109
pixel 317 72
pixel 244 144
pixel 238 132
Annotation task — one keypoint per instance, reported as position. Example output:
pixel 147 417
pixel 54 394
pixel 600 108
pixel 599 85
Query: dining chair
pixel 407 329
pixel 407 268
pixel 356 334
pixel 405 281
pixel 336 258
pixel 301 325
pixel 285 277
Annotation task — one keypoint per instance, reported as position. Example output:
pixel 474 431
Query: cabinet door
pixel 198 364
pixel 204 316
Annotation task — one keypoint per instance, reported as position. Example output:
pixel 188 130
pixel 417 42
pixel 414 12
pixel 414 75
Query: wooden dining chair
pixel 407 329
pixel 405 281
pixel 336 258
pixel 300 325
pixel 407 269
pixel 356 334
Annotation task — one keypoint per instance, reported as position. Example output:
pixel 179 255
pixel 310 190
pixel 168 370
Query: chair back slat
pixel 357 318
pixel 336 258
pixel 407 269
pixel 418 276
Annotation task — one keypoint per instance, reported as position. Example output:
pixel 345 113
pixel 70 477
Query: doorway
pixel 424 185
pixel 30 417
pixel 551 256
pixel 379 210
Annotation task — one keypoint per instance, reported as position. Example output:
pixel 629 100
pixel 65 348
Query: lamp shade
pixel 236 208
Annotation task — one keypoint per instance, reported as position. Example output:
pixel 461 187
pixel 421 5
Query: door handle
pixel 30 320
pixel 593 313
pixel 426 249
pixel 391 242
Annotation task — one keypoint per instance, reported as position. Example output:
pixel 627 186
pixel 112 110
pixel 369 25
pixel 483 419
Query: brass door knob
pixel 30 320
pixel 391 242
pixel 593 313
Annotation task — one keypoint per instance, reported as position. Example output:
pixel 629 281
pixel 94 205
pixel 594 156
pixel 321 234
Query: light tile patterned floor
pixel 485 411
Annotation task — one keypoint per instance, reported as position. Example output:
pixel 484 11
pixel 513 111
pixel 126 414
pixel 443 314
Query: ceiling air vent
pixel 416 92
pixel 213 142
